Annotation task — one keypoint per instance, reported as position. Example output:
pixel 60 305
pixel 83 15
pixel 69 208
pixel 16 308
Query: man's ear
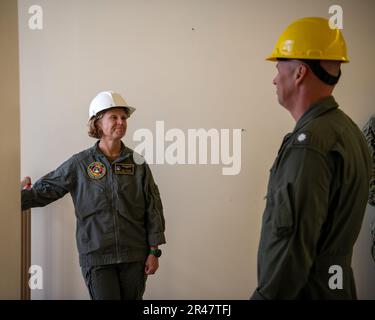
pixel 300 73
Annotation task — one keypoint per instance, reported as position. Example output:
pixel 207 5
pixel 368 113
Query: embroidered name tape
pixel 124 168
pixel 96 170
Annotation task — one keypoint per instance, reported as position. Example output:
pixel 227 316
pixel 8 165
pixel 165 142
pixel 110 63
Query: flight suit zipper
pixel 114 211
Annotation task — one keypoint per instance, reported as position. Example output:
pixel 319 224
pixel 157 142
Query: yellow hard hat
pixel 311 39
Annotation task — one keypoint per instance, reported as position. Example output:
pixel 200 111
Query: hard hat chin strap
pixel 322 74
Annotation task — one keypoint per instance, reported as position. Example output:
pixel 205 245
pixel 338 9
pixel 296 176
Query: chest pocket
pixel 130 193
pixel 281 213
pixel 92 199
pixel 127 185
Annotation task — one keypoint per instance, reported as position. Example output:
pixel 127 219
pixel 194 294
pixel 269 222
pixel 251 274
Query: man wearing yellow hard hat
pixel 318 184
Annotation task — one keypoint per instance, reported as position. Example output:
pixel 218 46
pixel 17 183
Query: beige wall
pixel 10 219
pixel 193 64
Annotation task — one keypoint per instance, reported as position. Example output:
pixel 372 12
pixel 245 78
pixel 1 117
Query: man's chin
pixel 281 103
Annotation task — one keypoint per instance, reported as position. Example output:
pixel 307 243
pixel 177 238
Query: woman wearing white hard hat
pixel 120 221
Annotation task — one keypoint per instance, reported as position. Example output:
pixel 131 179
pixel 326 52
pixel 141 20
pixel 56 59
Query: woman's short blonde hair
pixel 94 129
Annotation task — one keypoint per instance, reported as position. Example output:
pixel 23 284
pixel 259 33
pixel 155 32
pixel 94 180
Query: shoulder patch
pixel 302 138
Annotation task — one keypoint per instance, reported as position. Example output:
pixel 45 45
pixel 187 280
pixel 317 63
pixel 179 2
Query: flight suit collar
pixel 125 151
pixel 316 109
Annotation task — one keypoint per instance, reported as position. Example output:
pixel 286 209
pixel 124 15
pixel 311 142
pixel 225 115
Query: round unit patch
pixel 96 170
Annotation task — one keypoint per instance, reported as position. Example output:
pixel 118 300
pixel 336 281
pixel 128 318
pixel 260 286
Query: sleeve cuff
pixel 25 199
pixel 155 239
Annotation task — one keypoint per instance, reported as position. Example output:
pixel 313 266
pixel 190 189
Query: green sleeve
pixel 155 223
pixel 298 211
pixel 50 187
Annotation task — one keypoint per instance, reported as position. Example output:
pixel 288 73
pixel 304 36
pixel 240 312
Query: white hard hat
pixel 106 100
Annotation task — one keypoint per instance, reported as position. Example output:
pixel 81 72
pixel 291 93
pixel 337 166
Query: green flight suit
pixel 316 199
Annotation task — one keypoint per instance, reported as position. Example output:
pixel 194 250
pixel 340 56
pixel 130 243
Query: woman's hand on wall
pixel 26 183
